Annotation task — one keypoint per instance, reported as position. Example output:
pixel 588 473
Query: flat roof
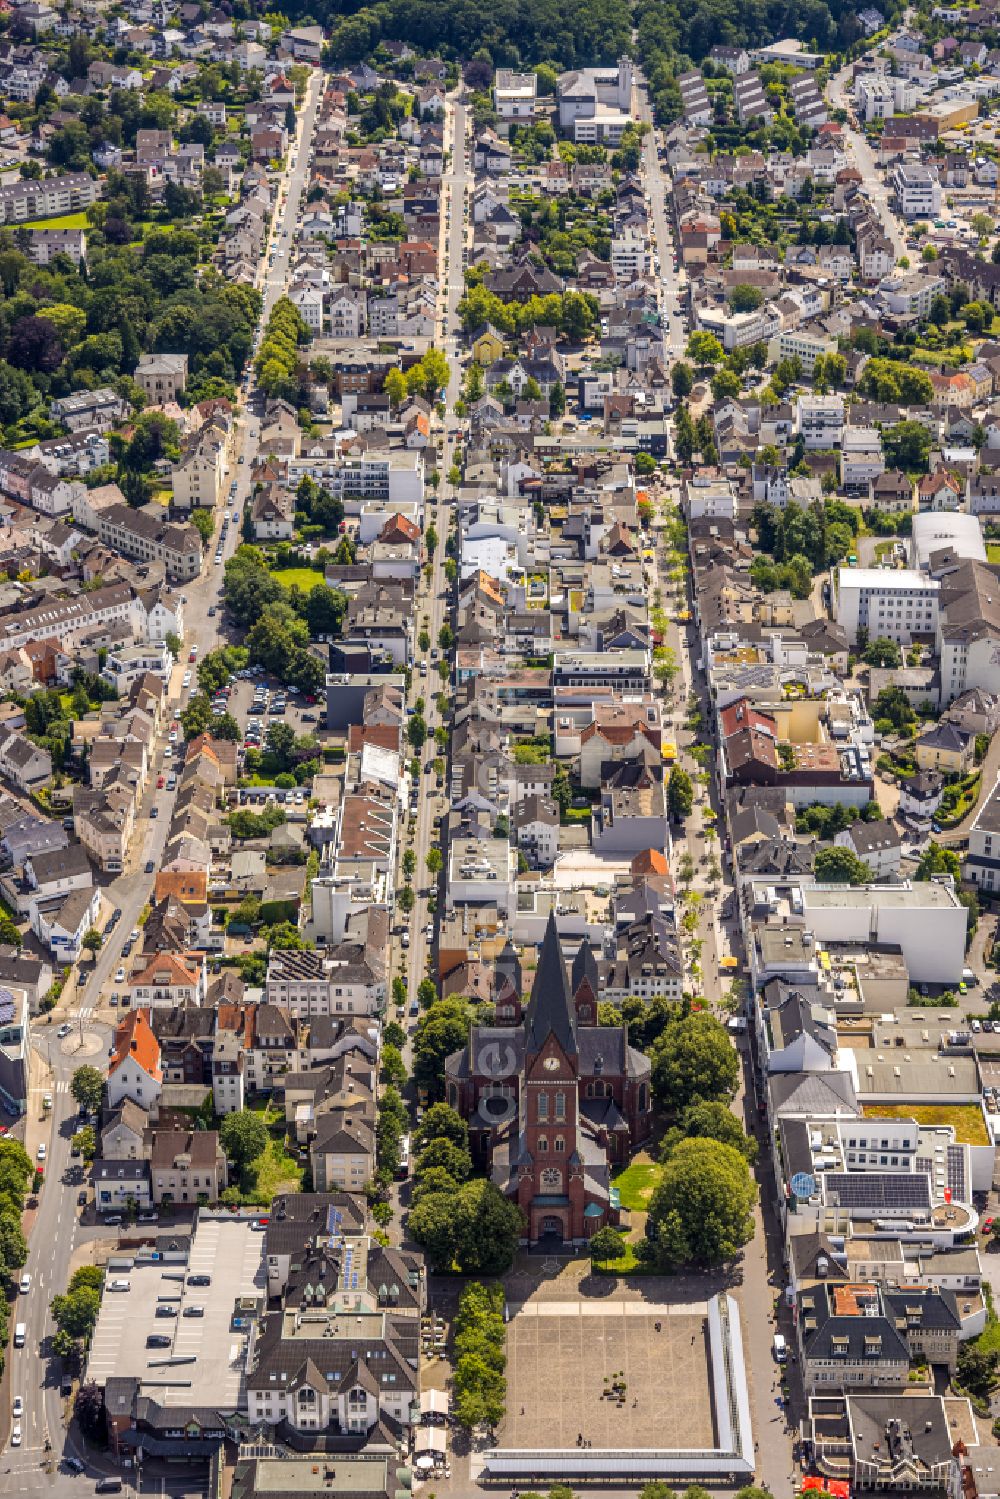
pixel 232 1253
pixel 891 579
pixel 310 1475
pixel 920 895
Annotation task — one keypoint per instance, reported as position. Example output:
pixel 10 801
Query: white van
pixel 779 1348
pixel 20 1333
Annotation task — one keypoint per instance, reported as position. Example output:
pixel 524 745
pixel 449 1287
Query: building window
pixel 560 1144
pixel 543 1144
pixel 560 1106
pixel 543 1106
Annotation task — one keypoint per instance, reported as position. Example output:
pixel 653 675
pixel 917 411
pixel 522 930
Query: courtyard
pixel 562 1355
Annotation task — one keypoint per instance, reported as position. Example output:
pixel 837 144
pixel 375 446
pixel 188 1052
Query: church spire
pixel 551 1010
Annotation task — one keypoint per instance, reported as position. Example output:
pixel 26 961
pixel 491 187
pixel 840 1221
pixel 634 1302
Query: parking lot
pixel 256 702
pixel 563 1356
pixel 204 1361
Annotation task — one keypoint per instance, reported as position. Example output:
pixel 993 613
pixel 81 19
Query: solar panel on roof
pixel 955 1172
pixel 882 1191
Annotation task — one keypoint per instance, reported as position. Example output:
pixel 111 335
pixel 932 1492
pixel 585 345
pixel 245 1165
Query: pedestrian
pixel 522 1407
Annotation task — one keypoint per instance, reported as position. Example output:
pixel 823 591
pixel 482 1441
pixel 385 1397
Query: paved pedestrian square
pixel 561 1353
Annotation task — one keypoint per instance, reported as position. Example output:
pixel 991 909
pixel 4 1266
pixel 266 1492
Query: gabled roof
pixel 134 1038
pixel 551 1010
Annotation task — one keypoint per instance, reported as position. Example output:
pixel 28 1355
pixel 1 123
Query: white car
pixel 187 679
pixel 15 1436
pixel 120 976
pixel 24 1287
pixel 18 1407
pixel 42 1152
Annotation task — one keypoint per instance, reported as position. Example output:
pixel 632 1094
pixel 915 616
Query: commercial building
pixel 897 604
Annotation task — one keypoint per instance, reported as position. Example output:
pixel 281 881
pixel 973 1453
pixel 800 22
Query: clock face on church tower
pixel 551 1064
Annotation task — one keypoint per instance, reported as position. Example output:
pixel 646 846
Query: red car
pixel 987 1225
pixel 193 656
pixel 160 783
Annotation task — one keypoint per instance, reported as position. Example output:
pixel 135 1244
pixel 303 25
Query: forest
pixel 63 330
pixel 578 33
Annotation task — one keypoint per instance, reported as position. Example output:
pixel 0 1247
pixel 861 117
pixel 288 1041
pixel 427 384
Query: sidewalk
pixel 37 1129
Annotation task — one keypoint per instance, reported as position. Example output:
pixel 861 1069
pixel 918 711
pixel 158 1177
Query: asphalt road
pixel 432 597
pixel 56 1231
pixel 873 182
pixel 657 187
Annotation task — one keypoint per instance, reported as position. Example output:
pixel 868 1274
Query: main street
pixel 432 594
pixel 56 1231
pixel 873 183
pixel 657 188
pixel 761 1271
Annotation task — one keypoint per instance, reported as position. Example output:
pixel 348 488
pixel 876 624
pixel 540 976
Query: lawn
pixel 993 551
pixel 305 577
pixel 636 1183
pixel 63 221
pixel 627 1265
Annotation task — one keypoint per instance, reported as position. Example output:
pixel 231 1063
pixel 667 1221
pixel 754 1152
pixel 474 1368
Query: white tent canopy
pixel 431 1440
pixel 433 1403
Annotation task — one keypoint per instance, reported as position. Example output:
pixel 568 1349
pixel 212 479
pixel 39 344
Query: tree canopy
pixel 693 1061
pixel 701 1213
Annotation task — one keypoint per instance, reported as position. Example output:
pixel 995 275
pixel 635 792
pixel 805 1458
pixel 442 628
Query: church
pixel 554 1102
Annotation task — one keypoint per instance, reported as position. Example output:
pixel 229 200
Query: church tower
pixel 507 986
pixel 585 982
pixel 550 1182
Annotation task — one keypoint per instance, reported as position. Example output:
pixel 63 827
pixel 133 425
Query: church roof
pixel 585 969
pixel 551 1011
pixel 508 969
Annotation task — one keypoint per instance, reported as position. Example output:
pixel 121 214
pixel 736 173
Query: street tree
pixel 87 1087
pixel 680 794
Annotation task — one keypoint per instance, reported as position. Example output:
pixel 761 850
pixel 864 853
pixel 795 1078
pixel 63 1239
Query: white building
pixel 514 96
pixel 712 497
pixel 875 96
pixel 886 603
pixel 802 344
pixel 738 330
pixel 925 919
pixel 821 420
pixel 917 190
pixel 595 104
pixel 629 255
